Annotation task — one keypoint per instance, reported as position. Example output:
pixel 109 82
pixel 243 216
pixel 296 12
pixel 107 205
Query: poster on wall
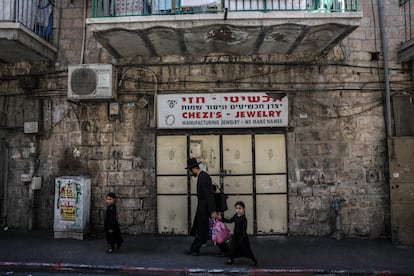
pixel 67 202
pixel 71 206
pixel 222 110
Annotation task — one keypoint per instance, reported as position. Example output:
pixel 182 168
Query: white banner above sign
pixel 223 110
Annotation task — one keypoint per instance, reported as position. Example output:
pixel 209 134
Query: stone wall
pixel 337 151
pixel 336 138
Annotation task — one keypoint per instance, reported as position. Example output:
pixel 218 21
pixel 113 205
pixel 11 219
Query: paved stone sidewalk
pixel 163 255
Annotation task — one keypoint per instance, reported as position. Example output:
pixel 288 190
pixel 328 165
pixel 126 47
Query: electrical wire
pixel 49 131
pixel 152 73
pixel 339 116
pixel 50 74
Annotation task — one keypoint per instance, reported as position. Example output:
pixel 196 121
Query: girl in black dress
pixel 239 244
pixel 112 230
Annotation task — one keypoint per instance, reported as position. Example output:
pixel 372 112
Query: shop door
pixel 251 168
pixel 401 156
pixel 271 184
pixel 172 188
pixel 238 174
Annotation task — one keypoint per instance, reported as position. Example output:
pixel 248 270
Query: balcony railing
pixel 37 15
pixel 104 8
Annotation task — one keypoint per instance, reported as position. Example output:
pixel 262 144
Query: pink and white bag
pixel 220 232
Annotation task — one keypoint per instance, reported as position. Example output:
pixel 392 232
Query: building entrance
pixel 248 167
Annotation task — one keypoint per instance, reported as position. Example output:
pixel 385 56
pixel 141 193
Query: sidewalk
pixel 163 255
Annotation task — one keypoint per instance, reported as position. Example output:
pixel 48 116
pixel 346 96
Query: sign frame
pixel 221 110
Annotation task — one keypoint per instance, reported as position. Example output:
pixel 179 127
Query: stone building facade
pixel 336 138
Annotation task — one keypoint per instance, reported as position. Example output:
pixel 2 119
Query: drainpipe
pixel 386 74
pixel 5 176
pixel 85 4
pixel 32 163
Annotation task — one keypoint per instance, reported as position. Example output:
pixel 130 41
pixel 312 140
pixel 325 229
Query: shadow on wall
pixel 72 166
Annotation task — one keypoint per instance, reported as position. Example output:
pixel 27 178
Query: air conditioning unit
pixel 91 82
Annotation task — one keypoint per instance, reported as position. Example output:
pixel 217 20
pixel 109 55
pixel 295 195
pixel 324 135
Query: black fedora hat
pixel 191 163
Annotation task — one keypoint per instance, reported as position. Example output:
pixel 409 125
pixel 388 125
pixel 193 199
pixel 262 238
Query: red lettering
pixel 191 115
pixel 234 99
pixel 253 99
pixel 266 99
pixel 201 115
pixel 197 100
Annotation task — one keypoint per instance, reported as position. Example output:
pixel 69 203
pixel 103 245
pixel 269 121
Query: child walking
pixel 239 244
pixel 112 230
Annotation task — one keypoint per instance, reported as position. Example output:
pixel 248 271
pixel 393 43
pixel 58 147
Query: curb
pixel 136 270
pixel 68 267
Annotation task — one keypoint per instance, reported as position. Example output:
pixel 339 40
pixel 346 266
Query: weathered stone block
pixel 312 203
pixel 121 138
pixel 124 165
pixel 75 138
pixel 106 138
pixel 148 204
pixel 309 177
pixel 305 191
pixel 150 224
pixel 322 216
pixel 115 178
pixel 134 177
pixel 129 203
pixel 100 179
pixel 296 203
pixel 293 191
pixel 352 175
pixel 110 165
pixel 321 190
pixel 143 192
pixel 140 217
pixel 125 218
pixel 124 191
pixel 303 216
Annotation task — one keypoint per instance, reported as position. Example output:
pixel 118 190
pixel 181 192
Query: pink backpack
pixel 220 232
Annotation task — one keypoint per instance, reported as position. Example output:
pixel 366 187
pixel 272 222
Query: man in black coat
pixel 205 207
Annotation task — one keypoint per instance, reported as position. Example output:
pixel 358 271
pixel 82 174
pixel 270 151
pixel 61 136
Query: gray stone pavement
pixel 38 252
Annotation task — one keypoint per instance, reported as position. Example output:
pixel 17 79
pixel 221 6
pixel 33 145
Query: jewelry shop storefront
pixel 240 140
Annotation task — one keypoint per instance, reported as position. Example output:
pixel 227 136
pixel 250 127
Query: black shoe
pixel 189 252
pixel 109 250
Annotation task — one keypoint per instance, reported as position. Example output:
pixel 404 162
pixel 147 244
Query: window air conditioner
pixel 91 82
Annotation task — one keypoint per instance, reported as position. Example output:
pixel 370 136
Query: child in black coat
pixel 239 244
pixel 112 230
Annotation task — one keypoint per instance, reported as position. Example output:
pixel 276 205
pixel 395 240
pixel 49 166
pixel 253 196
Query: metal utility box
pixel 72 207
pixel 401 155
